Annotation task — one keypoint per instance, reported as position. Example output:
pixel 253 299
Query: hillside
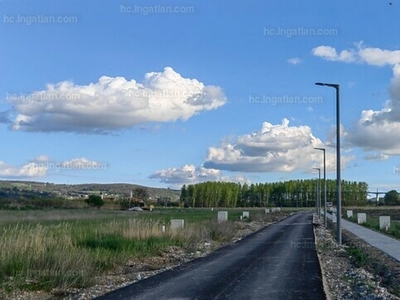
pixel 11 189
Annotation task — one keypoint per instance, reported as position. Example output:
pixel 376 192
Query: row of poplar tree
pixel 293 193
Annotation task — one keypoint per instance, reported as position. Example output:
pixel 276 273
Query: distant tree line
pixel 391 198
pixel 293 193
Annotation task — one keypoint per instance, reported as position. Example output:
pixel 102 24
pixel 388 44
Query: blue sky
pixel 162 93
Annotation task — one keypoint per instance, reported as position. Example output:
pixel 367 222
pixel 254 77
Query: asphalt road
pixel 277 262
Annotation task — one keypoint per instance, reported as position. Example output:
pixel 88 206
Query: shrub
pixel 95 200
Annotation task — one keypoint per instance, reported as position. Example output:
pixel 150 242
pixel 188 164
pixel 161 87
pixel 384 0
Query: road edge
pixel 316 222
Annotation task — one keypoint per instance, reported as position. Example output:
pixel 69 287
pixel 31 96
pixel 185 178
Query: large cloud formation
pixel 114 103
pixel 375 130
pixel 190 174
pixel 273 148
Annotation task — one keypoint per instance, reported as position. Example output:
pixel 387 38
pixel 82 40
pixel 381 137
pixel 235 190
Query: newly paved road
pixel 378 240
pixel 277 262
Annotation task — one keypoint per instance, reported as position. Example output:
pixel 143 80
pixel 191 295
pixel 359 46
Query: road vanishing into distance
pixel 276 262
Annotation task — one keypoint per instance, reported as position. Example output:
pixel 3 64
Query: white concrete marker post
pixel 222 216
pixel 349 213
pixel 177 224
pixel 384 222
pixel 361 218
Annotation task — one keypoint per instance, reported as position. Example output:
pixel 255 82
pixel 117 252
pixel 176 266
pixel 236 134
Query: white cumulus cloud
pixel 379 130
pixel 360 53
pixel 376 130
pixel 330 53
pixel 34 168
pixel 190 174
pixel 42 165
pixel 273 148
pixel 113 103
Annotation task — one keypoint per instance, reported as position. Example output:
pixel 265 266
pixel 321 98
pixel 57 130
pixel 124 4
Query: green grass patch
pixel 357 255
pixel 60 249
pixel 394 230
pixel 116 243
pixel 373 223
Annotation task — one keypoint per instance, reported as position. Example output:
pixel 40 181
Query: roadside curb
pixel 321 266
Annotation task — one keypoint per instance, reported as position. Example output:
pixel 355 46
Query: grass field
pixel 373 214
pixel 47 249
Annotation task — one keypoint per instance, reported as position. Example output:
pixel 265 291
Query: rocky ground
pixel 342 278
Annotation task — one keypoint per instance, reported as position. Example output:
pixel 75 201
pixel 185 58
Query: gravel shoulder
pixel 367 274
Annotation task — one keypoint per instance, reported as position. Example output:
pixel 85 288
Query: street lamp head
pixel 316 148
pixel 334 85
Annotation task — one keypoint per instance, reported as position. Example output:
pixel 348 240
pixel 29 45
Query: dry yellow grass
pixel 63 254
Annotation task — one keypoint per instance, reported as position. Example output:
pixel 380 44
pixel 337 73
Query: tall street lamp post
pixel 318 192
pixel 323 149
pixel 338 175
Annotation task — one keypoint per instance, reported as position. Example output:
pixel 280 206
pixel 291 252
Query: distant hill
pixel 46 189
